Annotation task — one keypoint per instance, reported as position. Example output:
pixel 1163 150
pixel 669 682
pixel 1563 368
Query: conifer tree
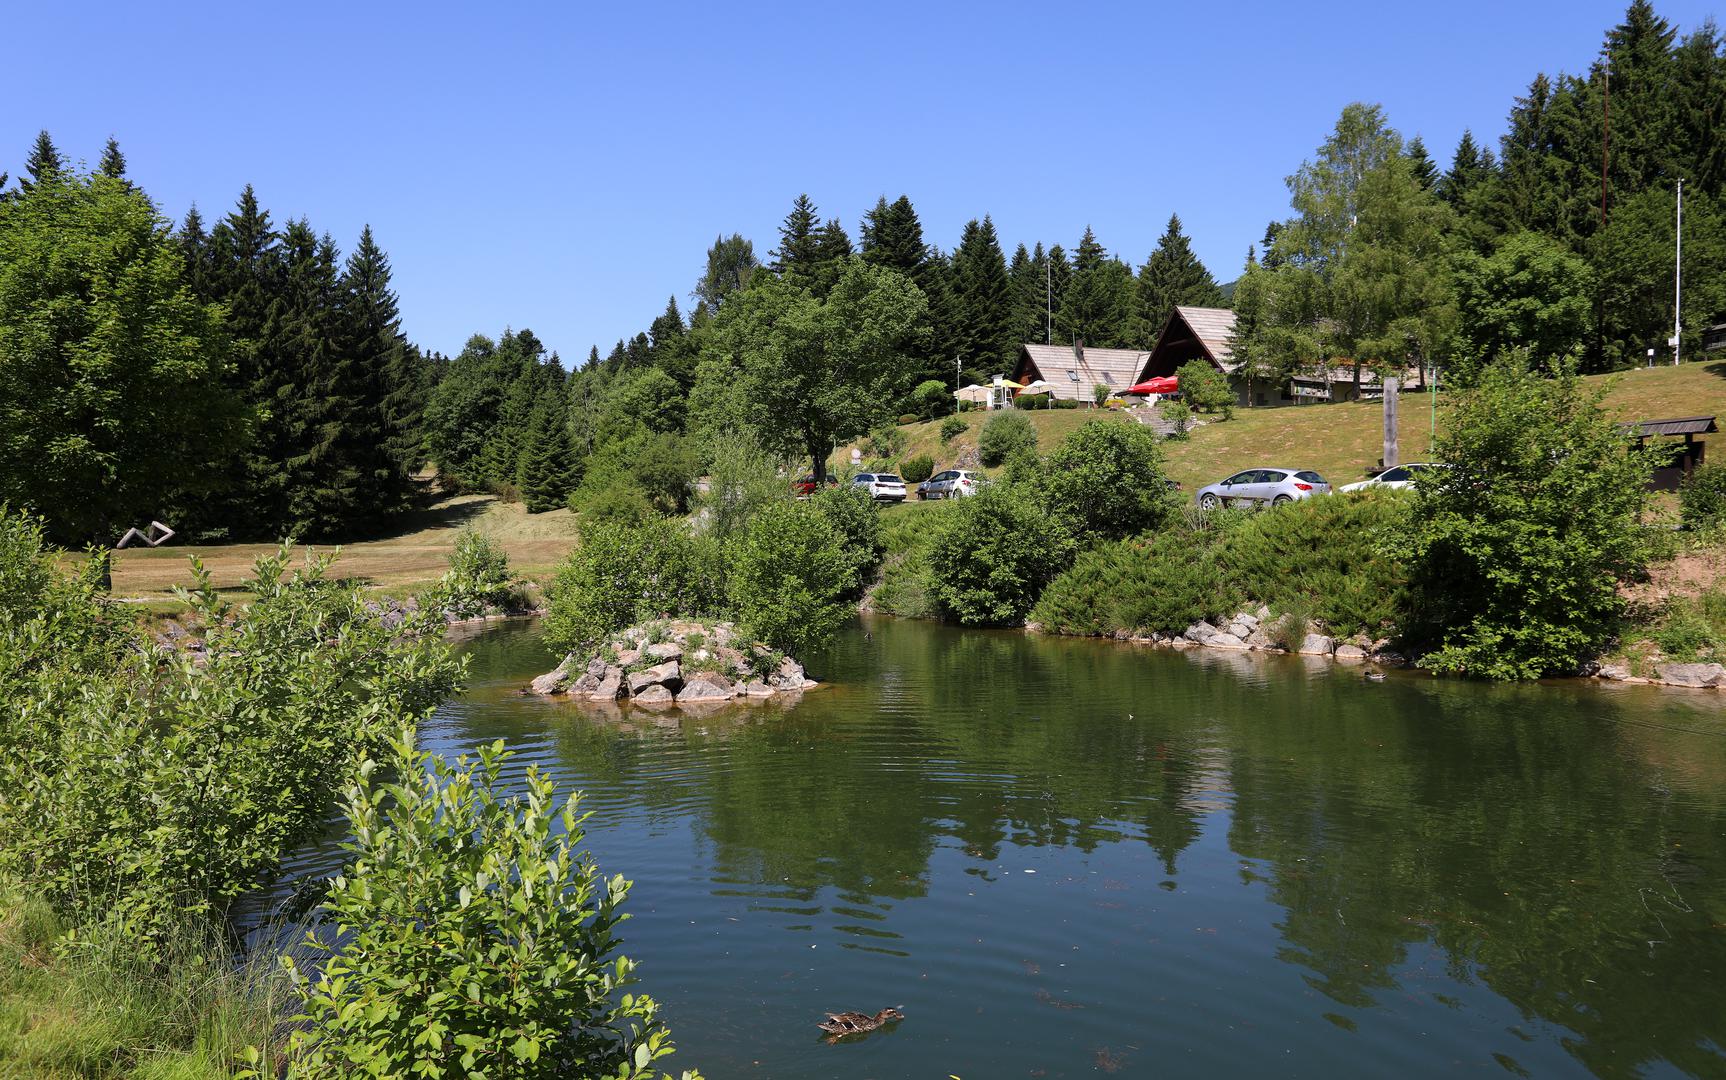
pixel 893 237
pixel 1097 307
pixel 1172 276
pixel 547 472
pixel 194 245
pixel 799 247
pixel 832 251
pixel 1469 166
pixel 982 302
pixel 113 162
pixel 1060 277
pixel 44 160
pixel 1421 164
pixel 381 439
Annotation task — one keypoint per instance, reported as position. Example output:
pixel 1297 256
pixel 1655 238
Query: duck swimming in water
pixel 839 1025
pixel 1375 676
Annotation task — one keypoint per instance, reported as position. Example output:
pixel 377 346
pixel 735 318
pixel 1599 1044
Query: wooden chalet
pixel 1073 372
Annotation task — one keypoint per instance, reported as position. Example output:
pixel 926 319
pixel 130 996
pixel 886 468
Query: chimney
pixel 1079 349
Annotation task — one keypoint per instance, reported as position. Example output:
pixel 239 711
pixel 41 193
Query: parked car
pixel 954 483
pixel 883 487
pixel 1402 476
pixel 805 486
pixel 1264 487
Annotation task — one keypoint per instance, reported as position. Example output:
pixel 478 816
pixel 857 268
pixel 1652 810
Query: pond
pixel 1068 858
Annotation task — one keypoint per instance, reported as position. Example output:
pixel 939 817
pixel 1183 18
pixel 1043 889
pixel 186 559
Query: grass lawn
pixel 400 563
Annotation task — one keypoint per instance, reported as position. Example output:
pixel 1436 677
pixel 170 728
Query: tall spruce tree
pixel 547 472
pixel 1097 307
pixel 1172 276
pixel 1420 163
pixel 113 163
pixel 1060 277
pixel 982 302
pixel 376 373
pixel 45 160
pixel 799 250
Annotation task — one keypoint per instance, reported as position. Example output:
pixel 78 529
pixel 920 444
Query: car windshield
pixel 1310 477
pixel 1392 475
pixel 1240 478
pixel 888 478
pixel 863 478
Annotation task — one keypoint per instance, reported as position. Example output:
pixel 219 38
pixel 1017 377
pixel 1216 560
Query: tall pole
pixel 1392 455
pixel 1432 438
pixel 1678 278
pixel 1048 301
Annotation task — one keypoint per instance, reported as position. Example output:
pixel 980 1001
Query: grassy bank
pixel 1340 441
pixel 89 1010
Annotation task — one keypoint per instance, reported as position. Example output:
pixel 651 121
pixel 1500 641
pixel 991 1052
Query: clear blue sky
pixel 565 166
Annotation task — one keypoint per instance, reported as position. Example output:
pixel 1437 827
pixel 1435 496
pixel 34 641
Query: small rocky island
pixel 675 662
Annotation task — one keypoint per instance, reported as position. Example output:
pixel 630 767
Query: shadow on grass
pixel 1716 368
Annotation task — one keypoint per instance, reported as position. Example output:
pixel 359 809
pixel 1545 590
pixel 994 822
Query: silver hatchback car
pixel 952 484
pixel 1263 487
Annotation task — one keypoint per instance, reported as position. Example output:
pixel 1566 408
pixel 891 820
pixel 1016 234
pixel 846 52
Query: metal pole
pixel 1432 439
pixel 1392 454
pixel 1678 279
pixel 1048 300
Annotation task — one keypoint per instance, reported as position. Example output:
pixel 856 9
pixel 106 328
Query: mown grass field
pixel 1340 441
pixel 400 563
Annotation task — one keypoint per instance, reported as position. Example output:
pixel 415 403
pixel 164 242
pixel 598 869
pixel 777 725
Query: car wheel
pixel 1208 501
pixel 1280 499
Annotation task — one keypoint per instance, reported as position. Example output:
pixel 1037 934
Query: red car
pixel 805 486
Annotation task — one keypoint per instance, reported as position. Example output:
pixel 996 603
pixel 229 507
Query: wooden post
pixel 1391 458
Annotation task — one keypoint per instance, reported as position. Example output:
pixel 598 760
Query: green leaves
pixel 471 937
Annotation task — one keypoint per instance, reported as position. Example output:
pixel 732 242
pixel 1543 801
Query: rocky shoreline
pixel 675 663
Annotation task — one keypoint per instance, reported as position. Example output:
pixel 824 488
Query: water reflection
pixel 1058 853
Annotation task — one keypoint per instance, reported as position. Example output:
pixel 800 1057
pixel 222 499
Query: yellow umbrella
pixel 1010 384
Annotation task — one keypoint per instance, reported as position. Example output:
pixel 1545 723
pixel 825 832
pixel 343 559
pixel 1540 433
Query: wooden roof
pixel 1073 375
pixel 1683 425
pixel 1215 329
pixel 1189 333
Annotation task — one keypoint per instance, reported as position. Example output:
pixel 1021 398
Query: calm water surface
pixel 1071 858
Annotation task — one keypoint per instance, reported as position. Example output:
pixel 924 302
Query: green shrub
pixel 620 574
pixel 952 428
pixel 1693 628
pixel 1332 559
pixel 1003 435
pixel 857 520
pixel 992 556
pixel 1032 401
pixel 478 578
pixel 145 789
pixel 1519 548
pixel 1205 388
pixel 1161 583
pixel 932 398
pixel 790 573
pixel 1106 482
pixel 1703 497
pixel 741 479
pixel 1179 416
pixel 1100 394
pixel 471 936
pixel 918 469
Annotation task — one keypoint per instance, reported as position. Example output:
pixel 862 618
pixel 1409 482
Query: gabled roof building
pixel 1073 372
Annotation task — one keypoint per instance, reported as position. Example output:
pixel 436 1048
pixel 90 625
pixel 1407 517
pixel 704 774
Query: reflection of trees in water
pixel 1546 849
pixel 1522 839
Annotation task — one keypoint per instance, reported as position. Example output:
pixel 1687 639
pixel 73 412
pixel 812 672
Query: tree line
pixel 240 381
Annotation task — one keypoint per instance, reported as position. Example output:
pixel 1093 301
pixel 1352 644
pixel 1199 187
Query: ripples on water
pixel 1066 858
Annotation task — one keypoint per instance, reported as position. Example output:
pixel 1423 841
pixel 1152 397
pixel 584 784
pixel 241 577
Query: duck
pixel 839 1025
pixel 1375 676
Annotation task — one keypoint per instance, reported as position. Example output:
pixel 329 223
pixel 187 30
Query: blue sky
pixel 564 167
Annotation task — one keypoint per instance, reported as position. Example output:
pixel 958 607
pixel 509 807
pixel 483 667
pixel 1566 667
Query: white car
pixel 1396 479
pixel 883 487
pixel 1267 487
pixel 952 484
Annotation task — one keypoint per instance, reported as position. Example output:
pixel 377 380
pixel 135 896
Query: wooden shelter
pixel 1073 372
pixel 1684 457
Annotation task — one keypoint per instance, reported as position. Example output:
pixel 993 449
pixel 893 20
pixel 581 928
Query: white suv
pixel 883 487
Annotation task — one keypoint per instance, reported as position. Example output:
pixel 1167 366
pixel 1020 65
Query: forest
pixel 244 379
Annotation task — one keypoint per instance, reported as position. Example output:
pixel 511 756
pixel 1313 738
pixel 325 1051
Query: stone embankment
pixel 1700 676
pixel 1248 631
pixel 675 663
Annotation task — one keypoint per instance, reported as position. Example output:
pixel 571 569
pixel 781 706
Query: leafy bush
pixel 1033 401
pixel 952 428
pixel 1693 628
pixel 478 578
pixel 908 418
pixel 1518 549
pixel 993 555
pixel 1003 435
pixel 1100 394
pixel 1332 559
pixel 857 520
pixel 1703 497
pixel 619 574
pixel 932 398
pixel 1161 583
pixel 1106 482
pixel 907 584
pixel 1205 388
pixel 790 573
pixel 471 937
pixel 146 788
pixel 741 479
pixel 918 469
pixel 1179 415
